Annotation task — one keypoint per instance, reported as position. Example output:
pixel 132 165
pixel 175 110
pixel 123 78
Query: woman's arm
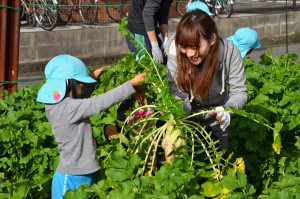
pixel 237 80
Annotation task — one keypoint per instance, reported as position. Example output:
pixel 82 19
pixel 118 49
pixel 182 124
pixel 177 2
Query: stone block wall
pixel 103 44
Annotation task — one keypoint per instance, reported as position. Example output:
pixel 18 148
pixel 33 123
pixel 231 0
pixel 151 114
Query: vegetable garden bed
pixel 263 160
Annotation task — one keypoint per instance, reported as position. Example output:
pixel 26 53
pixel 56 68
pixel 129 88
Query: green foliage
pixel 287 184
pixel 184 177
pixel 28 153
pixel 175 180
pixel 273 89
pixel 265 134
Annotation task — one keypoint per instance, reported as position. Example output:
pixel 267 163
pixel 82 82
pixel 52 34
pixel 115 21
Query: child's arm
pixel 83 108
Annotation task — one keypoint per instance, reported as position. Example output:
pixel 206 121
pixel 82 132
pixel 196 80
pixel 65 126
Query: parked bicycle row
pixel 47 14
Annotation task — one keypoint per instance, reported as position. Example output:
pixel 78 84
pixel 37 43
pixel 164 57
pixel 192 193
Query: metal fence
pixel 111 11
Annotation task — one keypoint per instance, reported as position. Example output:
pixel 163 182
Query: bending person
pixel 198 5
pixel 246 39
pixel 206 71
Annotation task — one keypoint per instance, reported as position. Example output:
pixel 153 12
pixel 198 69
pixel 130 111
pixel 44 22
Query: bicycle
pixel 115 9
pixel 88 10
pixel 220 8
pixel 44 12
pixel 27 14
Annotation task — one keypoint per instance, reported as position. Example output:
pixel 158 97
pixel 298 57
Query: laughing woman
pixel 206 72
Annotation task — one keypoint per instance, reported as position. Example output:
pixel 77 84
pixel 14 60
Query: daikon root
pixel 172 140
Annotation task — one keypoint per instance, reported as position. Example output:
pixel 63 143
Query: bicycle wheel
pixel 31 20
pixel 45 13
pixel 64 10
pixel 223 8
pixel 114 10
pixel 181 6
pixel 88 10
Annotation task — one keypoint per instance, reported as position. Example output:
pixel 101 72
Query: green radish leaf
pixel 277 140
pixel 210 189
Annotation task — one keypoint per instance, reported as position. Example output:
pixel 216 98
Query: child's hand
pixel 139 95
pixel 138 80
pixel 110 131
pixel 97 73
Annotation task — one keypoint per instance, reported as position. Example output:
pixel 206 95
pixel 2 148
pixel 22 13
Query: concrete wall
pixel 103 44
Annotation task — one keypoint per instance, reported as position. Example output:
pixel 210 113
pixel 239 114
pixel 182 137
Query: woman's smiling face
pixel 196 56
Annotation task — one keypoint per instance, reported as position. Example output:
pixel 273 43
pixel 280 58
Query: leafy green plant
pixel 273 88
pixel 263 161
pixel 201 151
pixel 28 152
pixel 162 102
pixel 287 183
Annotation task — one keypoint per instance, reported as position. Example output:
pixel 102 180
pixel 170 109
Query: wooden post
pixel 3 22
pixel 9 43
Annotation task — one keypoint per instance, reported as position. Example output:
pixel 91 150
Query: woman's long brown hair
pixel 190 78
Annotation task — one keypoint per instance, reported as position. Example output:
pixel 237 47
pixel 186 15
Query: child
pixel 69 114
pixel 246 39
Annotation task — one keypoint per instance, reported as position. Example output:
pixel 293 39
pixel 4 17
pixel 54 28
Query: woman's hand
pixel 138 79
pixel 222 117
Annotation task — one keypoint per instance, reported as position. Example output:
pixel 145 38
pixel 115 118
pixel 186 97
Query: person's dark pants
pixel 144 40
pixel 218 134
pixel 204 120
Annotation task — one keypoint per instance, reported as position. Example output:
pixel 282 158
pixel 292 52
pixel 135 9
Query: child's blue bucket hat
pixel 57 72
pixel 245 39
pixel 198 5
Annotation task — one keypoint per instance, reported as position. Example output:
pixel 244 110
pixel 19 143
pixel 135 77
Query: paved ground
pixel 279 50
